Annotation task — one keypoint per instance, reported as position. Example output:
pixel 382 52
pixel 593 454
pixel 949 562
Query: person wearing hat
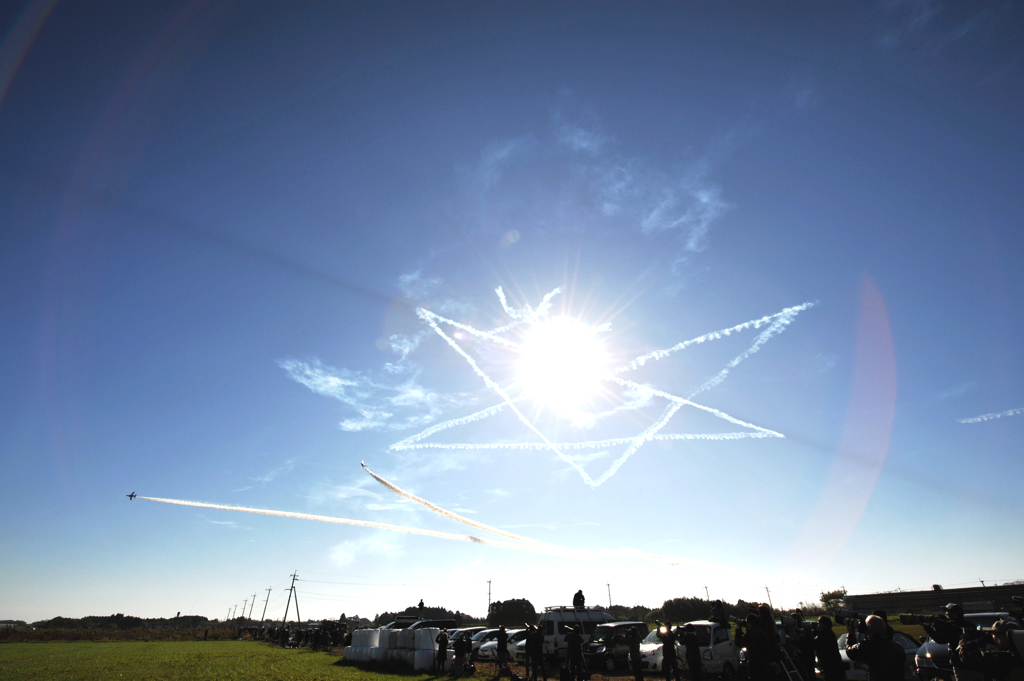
pixel 884 658
pixel 693 662
pixel 952 630
pixel 826 649
pixel 535 650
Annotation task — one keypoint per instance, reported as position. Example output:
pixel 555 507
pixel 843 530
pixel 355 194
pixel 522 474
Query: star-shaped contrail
pixel 773 324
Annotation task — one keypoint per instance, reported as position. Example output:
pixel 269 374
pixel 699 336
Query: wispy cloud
pixel 269 476
pixel 413 285
pixel 378 404
pixel 347 552
pixel 956 391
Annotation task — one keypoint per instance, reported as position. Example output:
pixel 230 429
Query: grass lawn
pixel 188 661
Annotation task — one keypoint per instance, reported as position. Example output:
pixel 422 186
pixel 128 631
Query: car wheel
pixel 727 673
pixel 608 664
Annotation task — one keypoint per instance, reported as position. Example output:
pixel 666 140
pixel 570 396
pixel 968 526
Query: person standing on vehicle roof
pixel 578 600
pixel 826 649
pixel 668 651
pixel 633 640
pixel 693 662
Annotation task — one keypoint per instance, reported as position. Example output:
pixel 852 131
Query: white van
pixel 555 621
pixel 718 651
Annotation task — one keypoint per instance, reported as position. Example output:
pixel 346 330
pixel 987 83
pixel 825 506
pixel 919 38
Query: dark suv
pixel 608 646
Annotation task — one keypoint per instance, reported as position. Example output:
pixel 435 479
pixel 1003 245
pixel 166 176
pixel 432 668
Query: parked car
pixel 932 659
pixel 480 638
pixel 489 651
pixel 651 654
pixel 608 647
pixel 466 633
pixel 435 624
pixel 858 671
pixel 401 622
pixel 719 653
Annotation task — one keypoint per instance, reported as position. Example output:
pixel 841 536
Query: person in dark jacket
pixel 668 651
pixel 633 640
pixel 574 653
pixel 535 645
pixel 762 651
pixel 442 652
pixel 884 658
pixel 502 646
pixel 826 649
pixel 1006 663
pixel 578 600
pixel 952 630
pixel 694 665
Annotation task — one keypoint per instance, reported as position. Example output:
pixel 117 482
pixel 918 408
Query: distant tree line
pixel 430 613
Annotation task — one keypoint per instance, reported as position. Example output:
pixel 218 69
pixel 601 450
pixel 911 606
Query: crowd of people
pixel 321 638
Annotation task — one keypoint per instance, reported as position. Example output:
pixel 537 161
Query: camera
pixel 792 625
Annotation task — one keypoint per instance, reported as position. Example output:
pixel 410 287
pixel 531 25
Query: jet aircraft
pixel 130 496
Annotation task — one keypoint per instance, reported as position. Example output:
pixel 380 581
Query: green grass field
pixel 188 661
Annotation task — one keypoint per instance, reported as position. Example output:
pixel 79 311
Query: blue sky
pixel 219 221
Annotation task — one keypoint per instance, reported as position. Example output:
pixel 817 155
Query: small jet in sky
pixel 130 496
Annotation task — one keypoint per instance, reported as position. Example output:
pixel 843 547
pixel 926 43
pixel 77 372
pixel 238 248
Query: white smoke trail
pixel 407 443
pixel 448 514
pixel 714 335
pixel 990 417
pixel 341 521
pixel 589 444
pixel 529 545
pixel 711 410
pixel 637 443
pixel 762 338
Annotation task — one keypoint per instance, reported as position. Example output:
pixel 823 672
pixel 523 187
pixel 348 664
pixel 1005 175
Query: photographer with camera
pixel 1002 664
pixel 694 665
pixel 884 658
pixel 668 639
pixel 762 653
pixel 633 640
pixel 954 629
pixel 801 642
pixel 826 649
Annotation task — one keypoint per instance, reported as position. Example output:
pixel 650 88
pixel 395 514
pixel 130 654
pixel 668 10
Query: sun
pixel 561 364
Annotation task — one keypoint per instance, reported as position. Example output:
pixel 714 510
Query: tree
pixel 833 600
pixel 512 613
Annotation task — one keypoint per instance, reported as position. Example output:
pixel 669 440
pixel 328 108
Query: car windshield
pixel 603 633
pixel 652 637
pixel 703 634
pixel 984 621
pixel 484 635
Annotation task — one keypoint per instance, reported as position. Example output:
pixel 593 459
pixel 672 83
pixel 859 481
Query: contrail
pixel 776 324
pixel 789 313
pixel 543 547
pixel 989 417
pixel 588 444
pixel 341 521
pixel 525 544
pixel 448 514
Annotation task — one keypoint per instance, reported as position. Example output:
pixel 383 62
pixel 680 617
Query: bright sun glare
pixel 561 364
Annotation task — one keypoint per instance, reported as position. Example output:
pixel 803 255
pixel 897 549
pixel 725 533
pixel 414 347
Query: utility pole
pixel 985 589
pixel 264 618
pixel 234 610
pixel 244 603
pixel 488 597
pixel 228 615
pixel 252 603
pixel 291 590
pixel 769 597
pixel 709 595
pixel 609 594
